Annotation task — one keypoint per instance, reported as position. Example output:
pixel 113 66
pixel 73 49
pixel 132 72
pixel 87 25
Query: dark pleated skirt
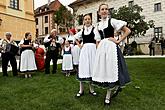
pixel 123 74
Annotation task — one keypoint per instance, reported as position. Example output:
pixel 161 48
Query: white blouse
pixel 87 31
pixel 116 24
pixel 71 38
pixel 67 48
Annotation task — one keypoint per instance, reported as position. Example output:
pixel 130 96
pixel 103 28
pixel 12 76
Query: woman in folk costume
pixel 67 63
pixel 90 36
pixel 27 62
pixel 110 70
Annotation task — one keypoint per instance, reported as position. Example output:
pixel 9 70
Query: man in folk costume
pixel 8 56
pixel 53 45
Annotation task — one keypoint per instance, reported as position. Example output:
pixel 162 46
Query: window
pixel 46 19
pixel 36 32
pixel 14 4
pixel 158 32
pixel 157 7
pixel 46 30
pixel 130 3
pixel 36 21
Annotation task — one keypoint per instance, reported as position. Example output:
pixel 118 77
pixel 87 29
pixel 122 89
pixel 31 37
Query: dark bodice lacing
pixel 107 32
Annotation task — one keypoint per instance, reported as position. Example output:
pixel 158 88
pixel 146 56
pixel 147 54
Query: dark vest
pixel 67 52
pixel 26 42
pixel 88 38
pixel 107 32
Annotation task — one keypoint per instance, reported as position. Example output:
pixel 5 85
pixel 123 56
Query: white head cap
pixel 8 34
pixel 53 30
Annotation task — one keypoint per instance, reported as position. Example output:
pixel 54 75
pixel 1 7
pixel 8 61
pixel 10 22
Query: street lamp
pixel 0 21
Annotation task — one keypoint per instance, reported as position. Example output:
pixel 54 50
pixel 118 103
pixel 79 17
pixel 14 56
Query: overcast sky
pixel 38 3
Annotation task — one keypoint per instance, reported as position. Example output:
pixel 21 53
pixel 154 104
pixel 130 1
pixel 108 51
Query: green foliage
pixel 135 21
pixel 63 17
pixel 57 92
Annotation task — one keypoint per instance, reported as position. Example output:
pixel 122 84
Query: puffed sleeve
pixel 46 39
pixel 97 34
pixel 60 40
pixel 15 43
pixel 21 42
pixel 79 35
pixel 117 24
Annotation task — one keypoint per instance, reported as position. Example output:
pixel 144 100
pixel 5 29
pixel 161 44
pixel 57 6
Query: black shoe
pixel 79 94
pixel 116 92
pixel 93 93
pixel 47 72
pixel 107 101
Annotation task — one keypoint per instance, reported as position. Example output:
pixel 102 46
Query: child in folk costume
pixel 90 36
pixel 74 48
pixel 71 39
pixel 110 70
pixel 76 55
pixel 27 62
pixel 67 64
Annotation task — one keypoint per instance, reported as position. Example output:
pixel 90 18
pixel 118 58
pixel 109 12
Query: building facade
pixel 152 10
pixel 44 16
pixel 17 16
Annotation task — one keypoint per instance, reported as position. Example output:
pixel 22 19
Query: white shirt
pixel 87 31
pixel 60 39
pixel 116 24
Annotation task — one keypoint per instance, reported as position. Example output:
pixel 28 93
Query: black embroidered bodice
pixel 26 42
pixel 107 32
pixel 88 38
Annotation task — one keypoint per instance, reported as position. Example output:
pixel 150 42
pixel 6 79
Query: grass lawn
pixel 56 92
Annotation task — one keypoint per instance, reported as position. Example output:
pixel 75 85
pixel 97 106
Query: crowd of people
pixel 93 53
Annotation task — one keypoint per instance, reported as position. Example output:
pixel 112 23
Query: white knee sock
pixel 81 87
pixel 108 95
pixel 91 87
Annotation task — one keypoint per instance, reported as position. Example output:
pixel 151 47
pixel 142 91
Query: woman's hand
pixel 114 40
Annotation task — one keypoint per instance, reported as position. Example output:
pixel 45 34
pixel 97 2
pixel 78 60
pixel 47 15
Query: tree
pixel 135 21
pixel 63 17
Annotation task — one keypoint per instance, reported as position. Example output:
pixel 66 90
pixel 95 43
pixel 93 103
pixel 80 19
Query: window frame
pixel 36 21
pixel 46 30
pixel 157 7
pixel 131 3
pixel 158 32
pixel 46 19
pixel 14 4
